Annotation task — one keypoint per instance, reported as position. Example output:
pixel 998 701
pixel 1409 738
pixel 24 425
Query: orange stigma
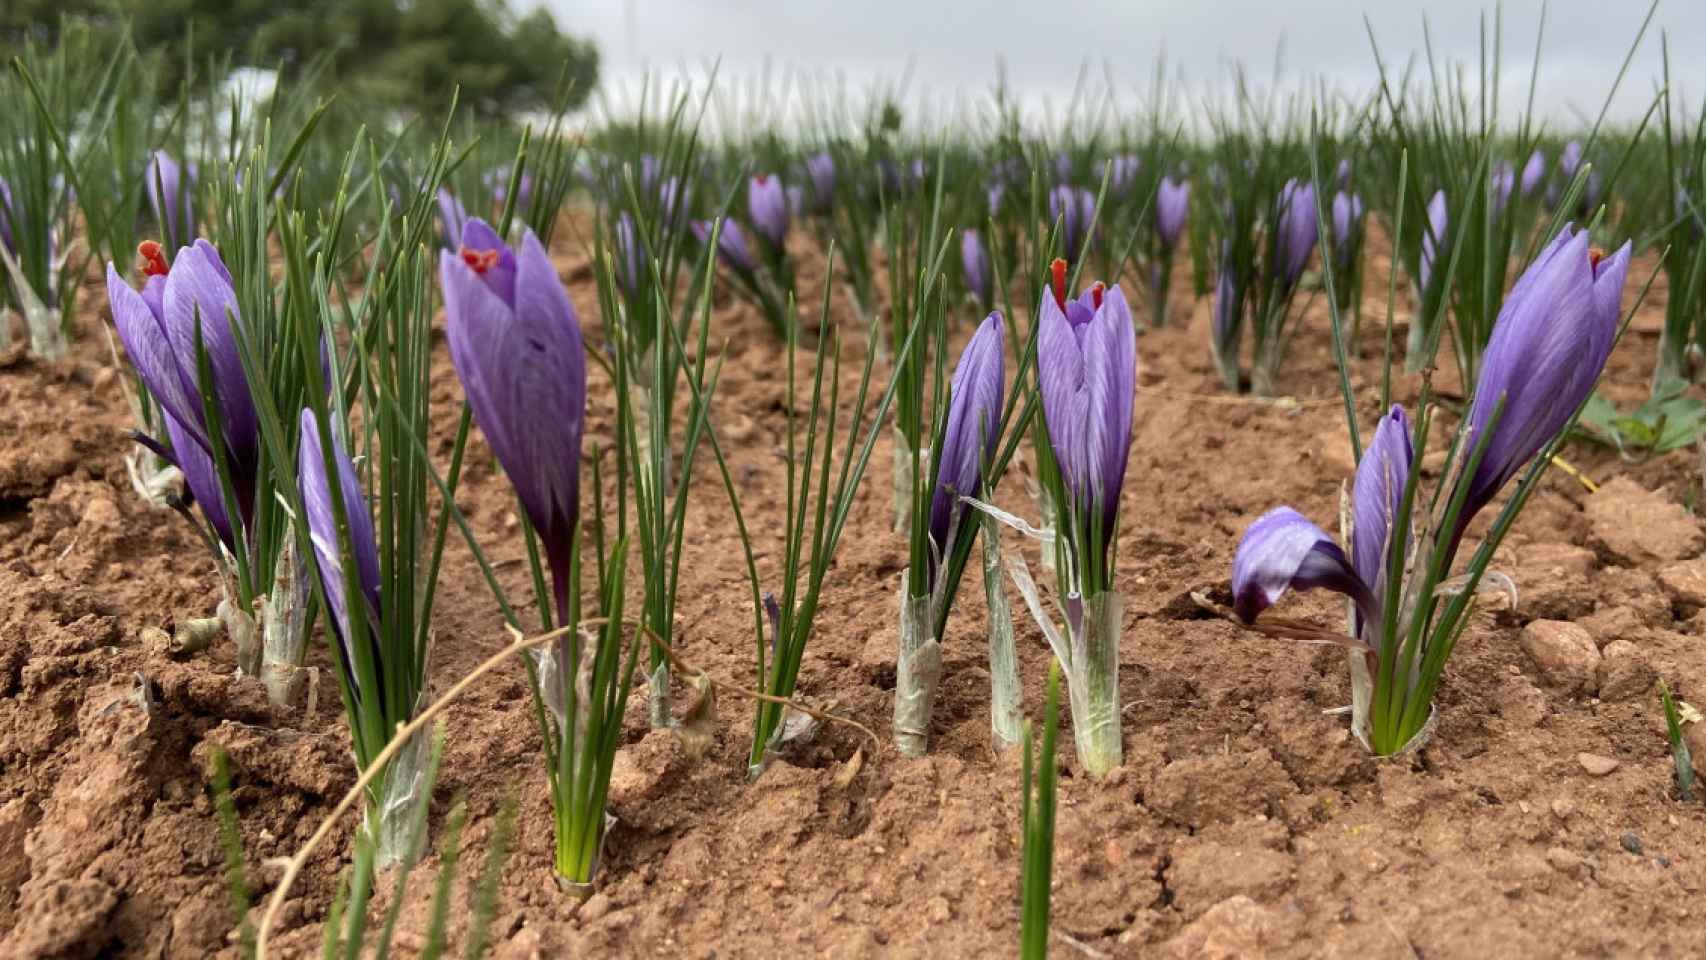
pixel 1058 268
pixel 480 260
pixel 760 178
pixel 1595 255
pixel 1096 293
pixel 153 259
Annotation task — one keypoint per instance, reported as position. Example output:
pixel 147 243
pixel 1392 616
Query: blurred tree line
pixel 410 53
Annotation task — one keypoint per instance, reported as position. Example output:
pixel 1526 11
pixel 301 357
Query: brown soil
pixel 1246 821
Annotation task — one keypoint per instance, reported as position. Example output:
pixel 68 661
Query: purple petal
pixel 1378 494
pixel 1283 551
pixel 1060 374
pixel 975 398
pixel 151 352
pixel 323 529
pixel 1110 381
pixel 201 476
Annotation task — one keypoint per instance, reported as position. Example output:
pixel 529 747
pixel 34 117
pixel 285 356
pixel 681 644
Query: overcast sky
pixel 952 46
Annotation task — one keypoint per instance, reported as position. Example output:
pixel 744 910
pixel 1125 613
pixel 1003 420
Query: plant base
pixel 918 670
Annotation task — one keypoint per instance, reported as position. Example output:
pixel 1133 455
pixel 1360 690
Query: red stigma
pixel 1595 255
pixel 153 260
pixel 1058 268
pixel 480 260
pixel 1096 293
pixel 760 178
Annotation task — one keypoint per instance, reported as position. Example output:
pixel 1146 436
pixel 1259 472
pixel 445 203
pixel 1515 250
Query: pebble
pixel 1596 765
pixel 1564 654
pixel 1563 809
pixel 1631 842
pixel 1635 524
pixel 595 907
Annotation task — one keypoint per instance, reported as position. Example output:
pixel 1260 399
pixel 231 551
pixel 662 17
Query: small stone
pixel 1564 654
pixel 1624 673
pixel 937 911
pixel 1685 582
pixel 1634 524
pixel 1563 809
pixel 594 908
pixel 1566 862
pixel 1597 765
pixel 1631 842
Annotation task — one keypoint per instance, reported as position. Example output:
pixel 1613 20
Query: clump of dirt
pixel 1541 819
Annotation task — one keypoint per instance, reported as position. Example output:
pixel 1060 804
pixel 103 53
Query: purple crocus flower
pixel 997 190
pixel 322 520
pixel 732 248
pixel 1434 238
pixel 158 326
pixel 7 238
pixel 1062 167
pixel 1533 171
pixel 1342 173
pixel 674 198
pixel 767 205
pixel 498 181
pixel 649 170
pixel 1503 183
pixel 627 254
pixel 1172 204
pixel 975 398
pixel 1073 208
pixel 1551 340
pixel 172 195
pixel 1087 369
pixel 1570 159
pixel 516 344
pixel 820 173
pixel 452 216
pixel 1298 230
pixel 974 259
pixel 1123 173
pixel 1228 305
pixel 1283 550
pixel 1347 228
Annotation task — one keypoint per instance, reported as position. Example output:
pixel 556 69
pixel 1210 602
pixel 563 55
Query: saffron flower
pixel 323 531
pixel 1433 239
pixel 627 254
pixel 452 216
pixel 820 173
pixel 1123 173
pixel 732 248
pixel 1172 204
pixel 1073 208
pixel 974 260
pixel 515 342
pixel 1087 368
pixel 1342 173
pixel 159 327
pixel 1533 171
pixel 975 397
pixel 1297 231
pixel 1503 184
pixel 1551 340
pixel 172 195
pixel 767 205
pixel 1347 228
pixel 498 181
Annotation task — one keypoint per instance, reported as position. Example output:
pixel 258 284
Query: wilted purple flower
pixel 452 216
pixel 1282 550
pixel 158 327
pixel 1434 237
pixel 1123 173
pixel 172 195
pixel 1347 228
pixel 516 344
pixel 1551 340
pixel 1298 230
pixel 627 254
pixel 1172 204
pixel 975 398
pixel 1533 171
pixel 1073 208
pixel 820 173
pixel 732 248
pixel 974 259
pixel 767 205
pixel 322 520
pixel 1087 370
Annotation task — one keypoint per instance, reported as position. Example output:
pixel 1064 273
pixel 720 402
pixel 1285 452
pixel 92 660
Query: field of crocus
pixel 1164 528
